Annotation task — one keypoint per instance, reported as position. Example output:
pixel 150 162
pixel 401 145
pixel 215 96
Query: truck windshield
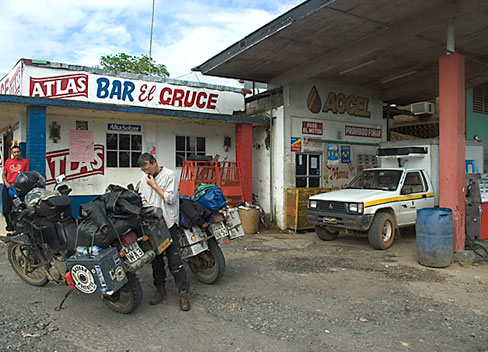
pixel 385 180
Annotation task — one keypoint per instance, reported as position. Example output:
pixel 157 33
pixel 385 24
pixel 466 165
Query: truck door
pixel 414 191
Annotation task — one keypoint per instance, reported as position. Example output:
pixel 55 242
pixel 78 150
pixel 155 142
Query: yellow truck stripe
pixel 398 199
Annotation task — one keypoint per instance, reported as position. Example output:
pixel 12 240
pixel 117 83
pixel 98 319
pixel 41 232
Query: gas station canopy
pixel 389 46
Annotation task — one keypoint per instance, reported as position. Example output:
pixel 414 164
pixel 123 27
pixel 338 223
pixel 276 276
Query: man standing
pixel 13 167
pixel 159 188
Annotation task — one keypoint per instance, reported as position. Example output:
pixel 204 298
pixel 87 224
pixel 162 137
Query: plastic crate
pixel 296 202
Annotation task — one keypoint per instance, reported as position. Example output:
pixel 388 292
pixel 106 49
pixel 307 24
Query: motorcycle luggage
pixel 233 223
pixel 102 273
pixel 47 234
pixel 192 242
pixel 159 235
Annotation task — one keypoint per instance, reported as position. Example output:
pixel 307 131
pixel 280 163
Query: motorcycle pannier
pixel 158 235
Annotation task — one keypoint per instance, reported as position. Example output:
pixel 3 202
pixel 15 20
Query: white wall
pixel 288 123
pixel 159 133
pixel 261 167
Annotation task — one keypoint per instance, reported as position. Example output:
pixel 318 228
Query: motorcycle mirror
pixel 60 178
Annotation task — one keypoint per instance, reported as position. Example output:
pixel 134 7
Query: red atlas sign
pixel 66 86
pixel 58 163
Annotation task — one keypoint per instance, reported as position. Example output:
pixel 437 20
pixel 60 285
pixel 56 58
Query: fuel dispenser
pixel 476 207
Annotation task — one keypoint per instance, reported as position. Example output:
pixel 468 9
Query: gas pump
pixel 476 207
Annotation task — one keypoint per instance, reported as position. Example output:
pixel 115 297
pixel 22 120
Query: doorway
pixel 308 169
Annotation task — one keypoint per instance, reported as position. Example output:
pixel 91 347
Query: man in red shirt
pixel 13 167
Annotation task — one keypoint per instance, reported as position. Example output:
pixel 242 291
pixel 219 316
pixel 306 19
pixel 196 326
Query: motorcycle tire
pixel 25 264
pixel 208 267
pixel 128 298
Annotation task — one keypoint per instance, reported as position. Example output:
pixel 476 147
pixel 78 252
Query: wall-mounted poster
pixel 296 144
pixel 345 154
pixel 332 154
pixel 81 146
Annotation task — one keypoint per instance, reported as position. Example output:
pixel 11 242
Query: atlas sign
pixel 66 86
pixel 58 163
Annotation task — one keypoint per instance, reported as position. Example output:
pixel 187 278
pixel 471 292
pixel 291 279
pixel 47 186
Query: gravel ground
pixel 280 292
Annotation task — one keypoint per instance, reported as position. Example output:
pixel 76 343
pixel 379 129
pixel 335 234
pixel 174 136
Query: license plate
pixel 219 230
pixel 134 252
pixel 329 220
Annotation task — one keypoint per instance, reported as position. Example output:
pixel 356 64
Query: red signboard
pixel 315 128
pixel 360 131
pixel 66 86
pixel 58 163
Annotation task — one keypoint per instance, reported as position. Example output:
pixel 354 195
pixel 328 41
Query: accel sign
pixel 338 103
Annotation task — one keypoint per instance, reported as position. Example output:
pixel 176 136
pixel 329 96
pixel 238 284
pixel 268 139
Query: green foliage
pixel 133 64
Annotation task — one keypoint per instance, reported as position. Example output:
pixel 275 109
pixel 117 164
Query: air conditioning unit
pixel 423 108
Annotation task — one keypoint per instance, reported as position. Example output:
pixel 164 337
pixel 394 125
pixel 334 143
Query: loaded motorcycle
pixel 199 242
pixel 98 254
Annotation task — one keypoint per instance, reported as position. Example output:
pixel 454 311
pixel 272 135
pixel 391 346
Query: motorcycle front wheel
pixel 26 264
pixel 128 298
pixel 208 266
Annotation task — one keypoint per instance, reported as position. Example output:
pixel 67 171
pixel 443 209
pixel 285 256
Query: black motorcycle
pixel 98 254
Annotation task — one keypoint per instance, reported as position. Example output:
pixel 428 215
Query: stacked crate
pixel 296 201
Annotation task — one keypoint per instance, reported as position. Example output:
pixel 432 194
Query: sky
pixel 185 33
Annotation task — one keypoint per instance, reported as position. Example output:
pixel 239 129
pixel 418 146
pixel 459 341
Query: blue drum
pixel 434 237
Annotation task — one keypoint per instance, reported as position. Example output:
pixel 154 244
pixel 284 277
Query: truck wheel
pixel 324 234
pixel 382 231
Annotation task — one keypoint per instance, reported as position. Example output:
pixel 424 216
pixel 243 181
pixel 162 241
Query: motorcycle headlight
pixel 33 197
pixel 312 204
pixel 356 207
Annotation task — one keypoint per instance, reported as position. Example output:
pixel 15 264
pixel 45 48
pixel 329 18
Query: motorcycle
pixel 199 242
pixel 96 254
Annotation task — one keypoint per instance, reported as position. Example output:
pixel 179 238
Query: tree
pixel 133 64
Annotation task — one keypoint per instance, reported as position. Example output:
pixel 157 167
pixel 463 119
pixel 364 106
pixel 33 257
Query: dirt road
pixel 280 292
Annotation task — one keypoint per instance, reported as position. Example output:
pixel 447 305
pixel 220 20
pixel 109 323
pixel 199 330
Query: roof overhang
pixel 388 46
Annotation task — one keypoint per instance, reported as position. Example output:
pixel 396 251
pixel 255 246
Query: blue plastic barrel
pixel 434 237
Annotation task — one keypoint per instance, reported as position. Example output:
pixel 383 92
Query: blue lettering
pixel 128 89
pixel 116 89
pixel 102 89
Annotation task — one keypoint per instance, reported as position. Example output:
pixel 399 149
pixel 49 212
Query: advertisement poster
pixel 332 154
pixel 345 154
pixel 81 146
pixel 296 144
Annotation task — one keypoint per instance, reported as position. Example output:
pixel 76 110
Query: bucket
pixel 249 219
pixel 434 237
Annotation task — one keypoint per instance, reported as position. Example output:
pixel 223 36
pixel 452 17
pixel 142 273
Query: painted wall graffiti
pixel 58 163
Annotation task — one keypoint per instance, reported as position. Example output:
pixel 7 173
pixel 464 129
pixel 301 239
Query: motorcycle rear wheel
pixel 209 266
pixel 128 298
pixel 24 262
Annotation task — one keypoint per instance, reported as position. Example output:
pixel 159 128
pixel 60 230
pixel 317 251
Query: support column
pixel 452 140
pixel 36 138
pixel 244 157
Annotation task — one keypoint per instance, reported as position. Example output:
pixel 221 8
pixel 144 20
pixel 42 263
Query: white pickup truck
pixel 381 200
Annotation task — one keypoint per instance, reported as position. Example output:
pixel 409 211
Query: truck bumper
pixel 339 220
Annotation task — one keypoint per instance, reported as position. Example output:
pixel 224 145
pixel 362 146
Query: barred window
pixel 188 147
pixel 123 149
pixel 480 99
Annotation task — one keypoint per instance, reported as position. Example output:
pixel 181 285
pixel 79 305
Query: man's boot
pixel 184 302
pixel 159 295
